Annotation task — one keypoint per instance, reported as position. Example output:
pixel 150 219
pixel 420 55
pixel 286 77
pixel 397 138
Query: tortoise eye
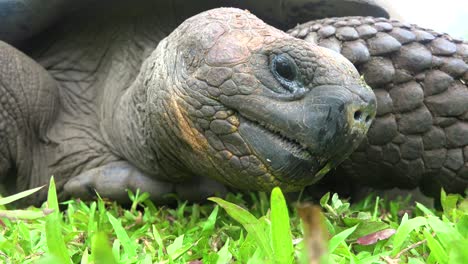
pixel 285 71
pixel 284 68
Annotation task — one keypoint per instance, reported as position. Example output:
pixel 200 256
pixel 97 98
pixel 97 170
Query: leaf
pixel 448 202
pixel 177 249
pixel 256 257
pixel 281 237
pixel 178 242
pixel 462 225
pixel 209 224
pixel 376 208
pixel 158 238
pixel 247 248
pixel 404 230
pixel 53 227
pixel 137 198
pixel 52 201
pixel 263 199
pixel 179 252
pixel 49 259
pixel 195 216
pixel 415 261
pixel 101 251
pixel 437 251
pixel 224 256
pixel 85 257
pixel 324 199
pixel 366 227
pixel 374 237
pixel 424 209
pixel 15 197
pixel 458 252
pixel 249 222
pixel 147 260
pixel 25 214
pixel 92 225
pixel 445 232
pixel 128 245
pixel 340 238
pixel 367 257
pixel 336 202
pixel 116 248
pixel 463 206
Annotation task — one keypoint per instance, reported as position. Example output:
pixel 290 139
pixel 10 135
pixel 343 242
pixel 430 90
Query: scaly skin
pixel 420 135
pixel 224 97
pixel 28 105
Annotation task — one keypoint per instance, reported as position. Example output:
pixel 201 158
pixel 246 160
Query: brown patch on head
pixel 210 33
pixel 188 132
pixel 230 49
pixel 256 43
pixel 244 33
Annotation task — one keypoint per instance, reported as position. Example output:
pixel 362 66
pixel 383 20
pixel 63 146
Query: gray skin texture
pixel 118 102
pixel 93 58
pixel 420 135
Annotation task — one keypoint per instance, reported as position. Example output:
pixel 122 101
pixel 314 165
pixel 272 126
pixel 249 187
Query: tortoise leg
pixel 28 107
pixel 114 179
pixel 420 134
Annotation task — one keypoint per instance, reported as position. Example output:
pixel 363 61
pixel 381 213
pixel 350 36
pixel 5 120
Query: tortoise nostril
pixel 362 116
pixel 358 115
pixel 368 118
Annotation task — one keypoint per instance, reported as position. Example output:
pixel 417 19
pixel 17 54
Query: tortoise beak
pixel 298 139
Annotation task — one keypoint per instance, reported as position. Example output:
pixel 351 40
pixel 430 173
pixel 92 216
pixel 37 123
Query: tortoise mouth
pixel 289 144
pixel 299 140
pixel 287 159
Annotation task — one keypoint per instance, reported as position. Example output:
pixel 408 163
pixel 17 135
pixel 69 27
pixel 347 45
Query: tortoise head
pixel 242 102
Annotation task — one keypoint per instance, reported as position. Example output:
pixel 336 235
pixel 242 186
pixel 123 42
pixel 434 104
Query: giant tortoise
pixel 110 95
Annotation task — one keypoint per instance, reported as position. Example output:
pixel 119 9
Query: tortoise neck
pixel 137 137
pixel 127 132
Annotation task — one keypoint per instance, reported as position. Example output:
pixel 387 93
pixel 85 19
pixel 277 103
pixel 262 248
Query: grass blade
pixel 128 245
pixel 178 250
pixel 403 230
pixel 446 233
pixel 436 249
pixel 249 222
pixel 101 251
pixel 53 227
pixel 158 238
pixel 209 225
pixel 424 209
pixel 462 226
pixel 24 214
pixel 458 252
pixel 280 228
pixel 15 197
pixel 84 258
pixel 224 256
pixel 177 244
pixel 339 238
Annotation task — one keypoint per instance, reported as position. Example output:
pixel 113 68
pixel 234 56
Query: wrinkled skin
pixel 224 97
pixel 419 76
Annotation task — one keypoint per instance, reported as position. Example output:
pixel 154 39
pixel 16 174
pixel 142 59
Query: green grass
pixel 250 229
